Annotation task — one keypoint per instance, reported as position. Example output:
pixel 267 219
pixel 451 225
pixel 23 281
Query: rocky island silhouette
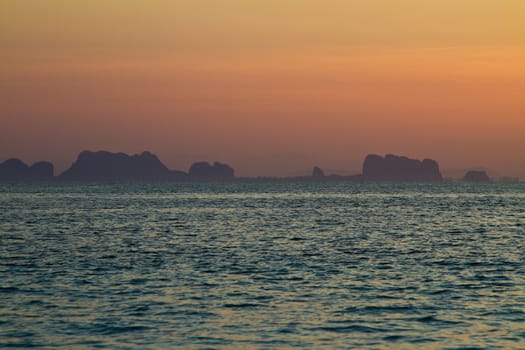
pixel 15 170
pixel 107 166
pixel 206 171
pixel 399 168
pixel 476 176
pixel 104 166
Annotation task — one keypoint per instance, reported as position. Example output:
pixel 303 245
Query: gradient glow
pixel 272 87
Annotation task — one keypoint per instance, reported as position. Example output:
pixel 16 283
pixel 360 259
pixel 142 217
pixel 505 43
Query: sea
pixel 262 265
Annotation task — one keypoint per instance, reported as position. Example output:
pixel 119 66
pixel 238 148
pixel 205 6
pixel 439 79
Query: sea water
pixel 262 266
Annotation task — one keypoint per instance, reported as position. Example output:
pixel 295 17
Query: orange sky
pixel 272 87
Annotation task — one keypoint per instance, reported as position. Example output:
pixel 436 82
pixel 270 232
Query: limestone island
pixel 476 176
pixel 14 170
pixel 104 166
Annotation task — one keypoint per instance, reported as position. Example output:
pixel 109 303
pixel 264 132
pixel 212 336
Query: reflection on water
pixel 262 266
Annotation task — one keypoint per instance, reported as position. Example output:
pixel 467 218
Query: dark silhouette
pixel 399 168
pixel 42 171
pixel 15 170
pixel 476 176
pixel 206 171
pixel 107 166
pixel 317 172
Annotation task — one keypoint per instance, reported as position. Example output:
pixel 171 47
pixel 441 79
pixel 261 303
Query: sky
pixel 272 87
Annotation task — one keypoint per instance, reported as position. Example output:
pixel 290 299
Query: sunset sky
pixel 272 87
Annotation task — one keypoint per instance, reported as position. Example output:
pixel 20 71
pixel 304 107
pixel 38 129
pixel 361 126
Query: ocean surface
pixel 262 266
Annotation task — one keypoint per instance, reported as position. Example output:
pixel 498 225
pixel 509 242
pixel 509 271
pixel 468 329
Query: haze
pixel 272 87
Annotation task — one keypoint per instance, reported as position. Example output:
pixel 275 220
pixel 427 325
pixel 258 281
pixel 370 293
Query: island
pixel 108 166
pixel 15 170
pixel 104 166
pixel 476 176
pixel 207 171
pixel 400 168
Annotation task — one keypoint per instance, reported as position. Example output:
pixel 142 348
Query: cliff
pixel 399 168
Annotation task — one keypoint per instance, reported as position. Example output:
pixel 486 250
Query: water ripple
pixel 251 265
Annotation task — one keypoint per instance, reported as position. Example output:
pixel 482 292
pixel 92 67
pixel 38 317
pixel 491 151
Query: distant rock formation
pixel 317 172
pixel 107 166
pixel 399 168
pixel 15 170
pixel 206 171
pixel 476 176
pixel 42 171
